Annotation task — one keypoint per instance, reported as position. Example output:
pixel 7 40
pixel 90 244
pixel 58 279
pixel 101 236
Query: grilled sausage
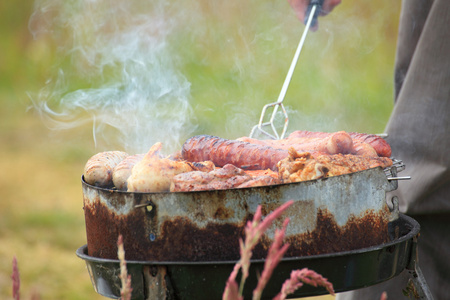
pixel 334 143
pixel 241 154
pixel 308 134
pixel 364 149
pixel 99 168
pixel 123 170
pixel 204 166
pixel 378 143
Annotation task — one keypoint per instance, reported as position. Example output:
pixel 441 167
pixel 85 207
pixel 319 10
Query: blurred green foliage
pixel 235 56
pixel 343 80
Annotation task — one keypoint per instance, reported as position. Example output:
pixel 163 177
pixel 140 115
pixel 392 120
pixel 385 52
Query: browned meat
pixel 99 168
pixel 363 149
pixel 227 177
pixel 338 142
pixel 378 143
pixel 154 174
pixel 241 154
pixel 123 170
pixel 245 162
pixel 191 181
pixel 303 166
pixel 268 172
pixel 204 166
pixel 308 134
pixel 259 181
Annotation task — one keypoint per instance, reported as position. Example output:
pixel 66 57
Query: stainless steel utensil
pixel 312 13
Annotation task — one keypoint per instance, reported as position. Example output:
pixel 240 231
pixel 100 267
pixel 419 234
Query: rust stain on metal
pixel 179 239
pixel 368 230
pixel 337 214
pixel 103 228
pixel 222 213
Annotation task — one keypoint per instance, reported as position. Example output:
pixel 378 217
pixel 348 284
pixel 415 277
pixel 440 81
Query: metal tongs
pixel 312 12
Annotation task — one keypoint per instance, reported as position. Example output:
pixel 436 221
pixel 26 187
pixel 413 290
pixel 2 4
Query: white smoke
pixel 132 92
pixel 142 72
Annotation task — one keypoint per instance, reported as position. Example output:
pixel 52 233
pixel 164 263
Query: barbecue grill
pixel 184 245
pixel 328 215
pixel 206 280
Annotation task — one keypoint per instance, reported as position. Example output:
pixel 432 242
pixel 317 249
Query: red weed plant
pixel 125 290
pixel 15 276
pixel 253 232
pixel 15 279
pixel 275 254
pixel 298 278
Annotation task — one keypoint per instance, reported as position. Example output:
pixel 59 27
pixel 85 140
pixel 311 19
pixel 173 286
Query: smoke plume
pixel 115 70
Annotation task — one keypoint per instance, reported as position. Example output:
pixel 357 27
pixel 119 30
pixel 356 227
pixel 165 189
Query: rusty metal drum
pixel 334 214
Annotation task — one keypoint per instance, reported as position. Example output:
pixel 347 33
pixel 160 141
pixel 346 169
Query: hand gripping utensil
pixel 312 12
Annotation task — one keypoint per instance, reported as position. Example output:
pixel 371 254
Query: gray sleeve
pixel 419 127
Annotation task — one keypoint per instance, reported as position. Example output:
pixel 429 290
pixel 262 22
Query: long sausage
pixel 334 143
pixel 241 154
pixel 378 143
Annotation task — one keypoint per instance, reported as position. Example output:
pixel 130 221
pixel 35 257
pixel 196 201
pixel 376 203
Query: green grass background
pixel 236 60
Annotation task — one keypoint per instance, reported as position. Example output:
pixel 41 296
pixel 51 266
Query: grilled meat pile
pixel 209 162
pixel 228 177
pixel 303 166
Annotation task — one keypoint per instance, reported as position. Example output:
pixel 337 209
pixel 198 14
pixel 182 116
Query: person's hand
pixel 300 7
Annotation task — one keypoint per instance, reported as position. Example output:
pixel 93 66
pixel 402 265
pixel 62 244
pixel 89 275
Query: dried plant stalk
pixel 253 232
pixel 125 290
pixel 276 253
pixel 15 279
pixel 298 278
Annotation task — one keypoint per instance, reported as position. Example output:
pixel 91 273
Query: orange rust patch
pixel 328 237
pixel 179 239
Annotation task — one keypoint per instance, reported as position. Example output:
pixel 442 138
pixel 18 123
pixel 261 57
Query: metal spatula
pixel 312 13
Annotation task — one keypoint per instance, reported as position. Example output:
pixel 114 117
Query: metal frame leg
pixel 417 287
